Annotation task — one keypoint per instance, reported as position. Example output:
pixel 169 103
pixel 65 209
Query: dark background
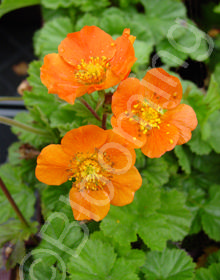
pixel 16 32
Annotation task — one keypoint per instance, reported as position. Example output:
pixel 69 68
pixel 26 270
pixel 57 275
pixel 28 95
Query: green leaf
pixel 140 159
pixel 177 215
pixel 126 3
pixel 183 159
pixel 90 5
pixel 197 145
pixel 33 119
pixel 159 21
pixel 123 270
pixel 38 96
pixel 217 9
pixel 154 216
pixel 37 267
pixel 49 14
pixel 50 200
pixel 86 19
pixel 10 5
pixel 98 261
pixel 214 137
pixel 95 261
pixel 23 196
pixel 211 214
pixel 191 43
pixel 212 273
pixel 212 98
pixel 65 119
pixel 62 236
pixel 49 37
pixel 195 200
pixel 212 169
pixel 134 256
pixel 214 258
pixel 168 265
pixel 14 157
pixel 113 21
pixel 13 231
pixel 142 52
pixel 17 255
pixel 170 55
pixel 156 172
pixel 205 208
pixel 51 4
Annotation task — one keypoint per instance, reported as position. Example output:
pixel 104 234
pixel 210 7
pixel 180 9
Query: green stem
pixel 26 127
pixel 6 98
pixel 13 204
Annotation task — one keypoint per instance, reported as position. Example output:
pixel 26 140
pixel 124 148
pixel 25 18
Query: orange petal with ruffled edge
pixel 53 165
pixel 120 156
pixel 58 77
pixel 87 205
pixel 131 38
pixel 184 118
pixel 162 88
pixel 129 130
pixel 84 139
pixel 125 186
pixel 120 64
pixel 90 41
pixel 160 140
pixel 124 57
pixel 127 94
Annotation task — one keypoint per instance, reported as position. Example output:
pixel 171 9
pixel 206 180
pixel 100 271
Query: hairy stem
pixel 26 127
pixel 13 204
pixel 89 108
pixel 104 119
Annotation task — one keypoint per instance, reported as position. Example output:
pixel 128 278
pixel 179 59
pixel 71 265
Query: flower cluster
pixel 147 114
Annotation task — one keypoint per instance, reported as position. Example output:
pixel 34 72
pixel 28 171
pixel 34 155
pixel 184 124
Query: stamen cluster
pixel 93 71
pixel 89 174
pixel 147 116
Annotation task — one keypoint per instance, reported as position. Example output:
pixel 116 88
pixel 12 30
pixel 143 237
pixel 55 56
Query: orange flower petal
pixel 184 118
pixel 129 130
pixel 126 33
pixel 162 89
pixel 58 77
pixel 124 57
pixel 87 205
pixel 52 165
pixel 160 140
pixel 125 186
pixel 118 152
pixel 83 139
pixel 90 41
pixel 128 92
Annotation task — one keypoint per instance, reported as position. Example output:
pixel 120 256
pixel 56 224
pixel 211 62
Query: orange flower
pixel 148 113
pixel 88 60
pixel 100 166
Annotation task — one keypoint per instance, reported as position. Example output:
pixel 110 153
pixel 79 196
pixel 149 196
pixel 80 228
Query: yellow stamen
pixel 88 173
pixel 147 116
pixel 93 71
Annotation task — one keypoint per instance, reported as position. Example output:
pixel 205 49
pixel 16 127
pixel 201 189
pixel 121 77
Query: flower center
pixel 146 116
pixel 88 173
pixel 92 72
